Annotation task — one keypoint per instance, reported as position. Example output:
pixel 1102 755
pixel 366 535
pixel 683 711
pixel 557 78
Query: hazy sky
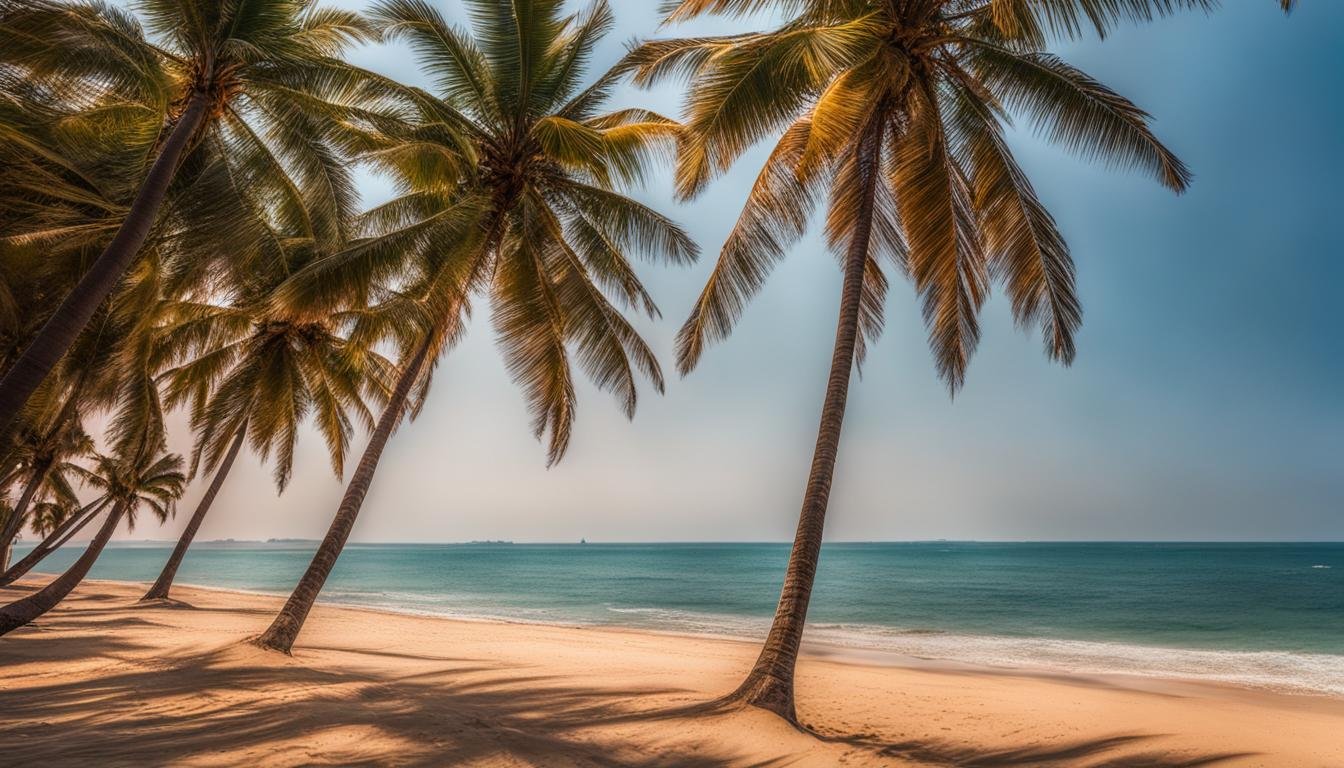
pixel 1205 402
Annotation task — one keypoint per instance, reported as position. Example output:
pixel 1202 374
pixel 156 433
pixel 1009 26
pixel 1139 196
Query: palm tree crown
pixel 515 152
pixel 242 97
pixel 152 481
pixel 242 365
pixel 934 83
pixel 270 74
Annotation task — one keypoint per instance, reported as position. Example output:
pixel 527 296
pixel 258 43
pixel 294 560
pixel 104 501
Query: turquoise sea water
pixel 1268 615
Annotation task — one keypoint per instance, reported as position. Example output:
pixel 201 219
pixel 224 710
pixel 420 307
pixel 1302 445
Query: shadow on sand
pixel 238 704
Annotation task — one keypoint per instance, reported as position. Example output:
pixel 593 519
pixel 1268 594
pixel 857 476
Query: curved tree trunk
pixel 282 632
pixel 21 612
pixel 769 685
pixel 54 541
pixel 165 580
pixel 15 522
pixel 73 314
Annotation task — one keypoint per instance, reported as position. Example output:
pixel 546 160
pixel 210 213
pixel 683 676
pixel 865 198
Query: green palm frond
pixel 151 480
pixel 950 209
pixel 509 179
pixel 1077 112
pixel 778 209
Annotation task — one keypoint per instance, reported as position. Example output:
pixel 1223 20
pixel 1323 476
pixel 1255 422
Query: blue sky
pixel 1205 402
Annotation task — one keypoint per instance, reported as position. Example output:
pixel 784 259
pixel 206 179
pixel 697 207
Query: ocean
pixel 1261 615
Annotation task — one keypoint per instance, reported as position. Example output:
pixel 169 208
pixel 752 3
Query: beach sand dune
pixel 104 681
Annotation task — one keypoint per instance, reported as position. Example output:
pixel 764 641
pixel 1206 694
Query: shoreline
pixel 154 684
pixel 1070 657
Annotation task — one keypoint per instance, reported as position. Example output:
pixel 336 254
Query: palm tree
pixel 254 374
pixel 257 78
pixel 45 448
pixel 893 113
pixel 52 514
pixel 148 479
pixel 509 180
pixel 58 528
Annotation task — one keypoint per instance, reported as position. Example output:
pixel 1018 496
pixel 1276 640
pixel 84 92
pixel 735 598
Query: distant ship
pixel 583 541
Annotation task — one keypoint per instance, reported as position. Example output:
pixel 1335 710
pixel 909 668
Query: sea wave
pixel 1281 671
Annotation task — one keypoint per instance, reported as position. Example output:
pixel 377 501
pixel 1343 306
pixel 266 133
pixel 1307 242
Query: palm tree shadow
pixel 436 710
pixel 948 753
pixel 239 700
pixel 164 603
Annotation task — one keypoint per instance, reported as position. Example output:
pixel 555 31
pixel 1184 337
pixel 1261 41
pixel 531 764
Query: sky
pixel 1205 402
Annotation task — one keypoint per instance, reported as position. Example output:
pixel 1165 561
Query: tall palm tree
pixel 151 480
pixel 893 112
pixel 510 182
pixel 253 374
pixel 258 78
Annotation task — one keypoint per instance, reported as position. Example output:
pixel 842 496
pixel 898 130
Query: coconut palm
pixel 257 78
pixel 254 374
pixel 149 479
pixel 509 182
pixel 59 522
pixel 893 114
pixel 49 515
pixel 45 449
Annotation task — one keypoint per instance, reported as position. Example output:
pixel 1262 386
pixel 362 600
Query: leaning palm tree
pixel 253 374
pixel 259 78
pixel 45 448
pixel 150 479
pixel 509 180
pixel 58 527
pixel 893 113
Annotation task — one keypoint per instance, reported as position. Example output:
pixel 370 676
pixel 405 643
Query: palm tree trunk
pixel 54 541
pixel 769 685
pixel 165 581
pixel 15 522
pixel 21 612
pixel 73 314
pixel 283 631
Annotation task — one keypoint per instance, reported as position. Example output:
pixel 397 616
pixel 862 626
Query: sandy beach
pixel 104 681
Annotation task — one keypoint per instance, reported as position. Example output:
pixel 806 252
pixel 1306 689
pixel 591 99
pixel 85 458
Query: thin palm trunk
pixel 15 522
pixel 283 631
pixel 165 580
pixel 54 541
pixel 61 330
pixel 769 685
pixel 21 612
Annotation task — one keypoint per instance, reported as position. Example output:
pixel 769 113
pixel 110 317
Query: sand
pixel 104 681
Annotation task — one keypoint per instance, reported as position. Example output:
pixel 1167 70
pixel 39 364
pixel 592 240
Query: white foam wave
pixel 1281 671
pixel 1312 673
